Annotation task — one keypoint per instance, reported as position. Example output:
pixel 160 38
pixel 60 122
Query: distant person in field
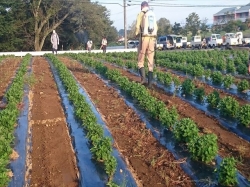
pixel 146 30
pixel 104 44
pixel 54 41
pixel 89 45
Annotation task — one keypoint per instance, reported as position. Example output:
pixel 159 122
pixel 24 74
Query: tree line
pixel 26 25
pixel 194 25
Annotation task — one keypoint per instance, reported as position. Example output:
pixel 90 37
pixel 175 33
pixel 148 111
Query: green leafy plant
pixel 231 67
pixel 228 80
pixel 213 99
pixel 110 165
pixel 227 172
pixel 244 115
pixel 243 85
pixel 242 69
pixel 217 77
pixel 221 65
pixel 228 106
pixel 204 148
pixel 199 94
pixel 187 86
pixel 185 130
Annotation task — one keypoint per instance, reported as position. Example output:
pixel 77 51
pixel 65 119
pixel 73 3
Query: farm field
pixel 90 122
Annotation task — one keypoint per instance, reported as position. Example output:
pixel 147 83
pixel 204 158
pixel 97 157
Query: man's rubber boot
pixel 143 76
pixel 150 79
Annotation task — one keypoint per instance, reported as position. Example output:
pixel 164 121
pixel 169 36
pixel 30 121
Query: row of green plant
pixel 197 70
pixel 216 77
pixel 193 62
pixel 8 118
pixel 4 57
pixel 224 61
pixel 228 106
pixel 202 147
pixel 101 145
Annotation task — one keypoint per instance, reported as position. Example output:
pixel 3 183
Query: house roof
pixel 225 11
pixel 247 7
pixel 233 9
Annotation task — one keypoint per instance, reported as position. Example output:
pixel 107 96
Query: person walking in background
pixel 146 30
pixel 89 45
pixel 104 44
pixel 54 41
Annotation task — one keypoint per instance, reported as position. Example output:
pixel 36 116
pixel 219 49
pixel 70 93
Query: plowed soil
pixel 7 71
pixel 151 163
pixel 229 143
pixel 53 161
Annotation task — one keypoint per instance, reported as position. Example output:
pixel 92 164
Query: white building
pixel 235 13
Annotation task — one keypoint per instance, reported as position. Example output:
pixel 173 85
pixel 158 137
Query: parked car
pixel 133 44
pixel 178 43
pixel 166 42
pixel 196 42
pixel 185 43
pixel 215 41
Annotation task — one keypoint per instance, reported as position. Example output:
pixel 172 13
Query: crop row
pixel 101 145
pixel 202 147
pixel 234 62
pixel 216 77
pixel 8 118
pixel 227 106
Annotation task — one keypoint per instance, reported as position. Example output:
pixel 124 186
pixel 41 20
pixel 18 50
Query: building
pixel 235 13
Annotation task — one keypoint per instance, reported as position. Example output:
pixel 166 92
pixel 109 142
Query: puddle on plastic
pixel 91 173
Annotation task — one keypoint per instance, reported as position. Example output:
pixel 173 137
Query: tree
pixel 184 31
pixel 48 15
pixel 131 33
pixel 27 24
pixel 193 23
pixel 12 21
pixel 176 28
pixel 204 27
pixel 247 23
pixel 164 26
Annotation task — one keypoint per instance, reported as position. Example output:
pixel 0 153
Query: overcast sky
pixel 162 9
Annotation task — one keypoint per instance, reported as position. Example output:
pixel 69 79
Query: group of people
pixel 103 46
pixel 54 39
pixel 146 31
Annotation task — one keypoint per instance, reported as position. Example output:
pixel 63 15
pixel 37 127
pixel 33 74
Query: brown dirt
pixel 229 143
pixel 7 71
pixel 151 162
pixel 53 162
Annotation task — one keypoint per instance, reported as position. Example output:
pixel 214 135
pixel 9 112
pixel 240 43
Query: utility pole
pixel 125 25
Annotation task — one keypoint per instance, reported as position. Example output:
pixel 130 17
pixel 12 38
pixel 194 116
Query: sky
pixel 162 10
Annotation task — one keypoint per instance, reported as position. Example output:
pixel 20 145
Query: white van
pixel 230 39
pixel 178 43
pixel 215 41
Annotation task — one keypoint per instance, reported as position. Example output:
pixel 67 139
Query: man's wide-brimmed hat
pixel 144 3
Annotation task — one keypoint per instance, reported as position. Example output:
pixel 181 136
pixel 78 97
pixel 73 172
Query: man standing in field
pixel 54 41
pixel 104 44
pixel 146 30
